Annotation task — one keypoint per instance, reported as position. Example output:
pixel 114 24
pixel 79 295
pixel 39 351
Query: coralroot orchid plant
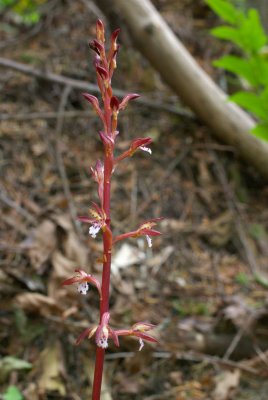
pixel 99 214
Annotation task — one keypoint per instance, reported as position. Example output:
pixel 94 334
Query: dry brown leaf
pixel 238 312
pixel 126 256
pixel 62 268
pixel 217 231
pixel 31 392
pixel 72 247
pixel 55 241
pixel 56 233
pixel 42 243
pixel 51 370
pixel 226 383
pixel 39 303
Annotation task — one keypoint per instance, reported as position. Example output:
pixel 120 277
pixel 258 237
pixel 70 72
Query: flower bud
pixel 126 99
pixel 114 103
pixel 100 31
pixel 114 37
pixel 96 46
pixel 102 72
pixel 94 102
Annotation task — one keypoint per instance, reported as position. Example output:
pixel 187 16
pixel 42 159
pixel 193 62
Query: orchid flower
pixel 82 278
pixel 102 333
pixel 144 229
pixel 139 330
pixel 139 143
pixel 98 220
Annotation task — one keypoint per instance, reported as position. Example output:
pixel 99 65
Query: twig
pixel 93 8
pixel 230 199
pixel 82 85
pixel 215 360
pixel 189 356
pixel 59 160
pixel 170 168
pixel 262 355
pixel 234 343
pixel 256 360
pixel 45 115
pixel 11 203
pixel 219 285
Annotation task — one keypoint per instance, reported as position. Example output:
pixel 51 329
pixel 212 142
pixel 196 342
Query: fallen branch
pixel 237 218
pixel 12 204
pixel 45 115
pixel 177 67
pixel 190 356
pixel 85 86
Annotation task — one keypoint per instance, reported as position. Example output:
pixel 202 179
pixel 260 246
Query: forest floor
pixel 204 283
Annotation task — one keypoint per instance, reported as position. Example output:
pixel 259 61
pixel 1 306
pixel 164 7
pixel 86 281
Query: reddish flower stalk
pixel 99 215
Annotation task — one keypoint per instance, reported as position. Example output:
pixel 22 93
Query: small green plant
pixel 257 231
pixel 12 393
pixel 242 279
pixel 244 29
pixel 25 11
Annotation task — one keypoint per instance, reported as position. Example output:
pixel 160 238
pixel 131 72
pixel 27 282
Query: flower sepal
pixel 139 330
pixel 95 104
pixel 139 143
pixel 126 99
pixel 98 176
pixel 144 229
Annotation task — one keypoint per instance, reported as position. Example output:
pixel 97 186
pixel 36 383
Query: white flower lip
pixel 94 229
pixel 149 241
pixel 141 344
pixel 103 343
pixel 83 288
pixel 144 148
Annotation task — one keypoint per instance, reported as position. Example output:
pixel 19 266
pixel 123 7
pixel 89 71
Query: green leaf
pixel 259 65
pixel 5 3
pixel 228 33
pixel 9 364
pixel 252 33
pixel 238 66
pixel 261 280
pixel 261 131
pixel 13 363
pixel 251 102
pixel 264 99
pixel 254 69
pixel 225 10
pixel 12 393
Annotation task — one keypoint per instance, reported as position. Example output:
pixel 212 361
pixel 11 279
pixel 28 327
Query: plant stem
pixel 99 361
pixel 104 303
pixel 106 272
